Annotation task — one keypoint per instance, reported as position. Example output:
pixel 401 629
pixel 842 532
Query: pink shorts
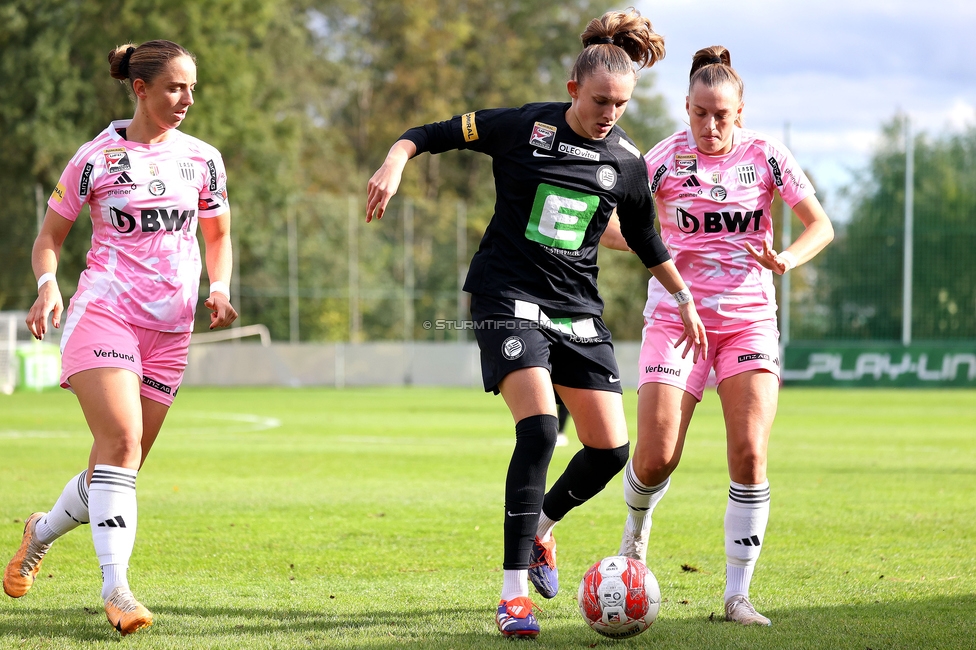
pixel 96 338
pixel 756 347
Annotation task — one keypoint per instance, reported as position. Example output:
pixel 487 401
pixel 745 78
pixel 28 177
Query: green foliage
pixel 372 518
pixel 863 268
pixel 303 98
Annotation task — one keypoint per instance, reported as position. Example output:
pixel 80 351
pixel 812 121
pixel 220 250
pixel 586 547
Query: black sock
pixel 563 414
pixel 525 486
pixel 587 473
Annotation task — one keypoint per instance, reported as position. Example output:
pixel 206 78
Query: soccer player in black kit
pixel 560 171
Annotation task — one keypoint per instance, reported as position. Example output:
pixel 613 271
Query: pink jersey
pixel 709 207
pixel 144 263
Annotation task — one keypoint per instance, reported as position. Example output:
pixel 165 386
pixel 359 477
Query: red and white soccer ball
pixel 619 597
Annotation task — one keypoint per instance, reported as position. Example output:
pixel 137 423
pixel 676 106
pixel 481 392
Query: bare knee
pixel 653 468
pixel 747 466
pixel 123 450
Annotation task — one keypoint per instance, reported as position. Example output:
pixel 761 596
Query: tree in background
pixel 863 268
pixel 303 98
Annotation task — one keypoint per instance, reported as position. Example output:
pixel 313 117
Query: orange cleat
pixel 125 613
pixel 19 576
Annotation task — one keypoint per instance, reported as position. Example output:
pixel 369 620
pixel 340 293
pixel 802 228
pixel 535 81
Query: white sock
pixel 746 517
pixel 544 531
pixel 112 506
pixel 68 512
pixel 641 500
pixel 515 583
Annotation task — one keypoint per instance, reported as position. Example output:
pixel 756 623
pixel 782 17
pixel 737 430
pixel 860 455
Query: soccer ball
pixel 619 597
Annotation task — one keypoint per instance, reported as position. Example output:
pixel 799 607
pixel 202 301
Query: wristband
pixel 682 297
pixel 787 258
pixel 45 278
pixel 220 287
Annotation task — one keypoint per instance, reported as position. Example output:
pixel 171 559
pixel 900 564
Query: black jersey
pixel 554 194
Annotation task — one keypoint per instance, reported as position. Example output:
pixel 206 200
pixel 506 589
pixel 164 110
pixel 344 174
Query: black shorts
pixel 577 351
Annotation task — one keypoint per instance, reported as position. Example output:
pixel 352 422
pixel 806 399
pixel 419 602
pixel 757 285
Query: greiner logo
pixel 659 368
pixel 102 354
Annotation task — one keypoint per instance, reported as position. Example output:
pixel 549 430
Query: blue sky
pixel 835 70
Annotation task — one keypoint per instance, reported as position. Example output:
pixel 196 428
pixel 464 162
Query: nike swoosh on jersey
pixel 535 152
pixel 614 380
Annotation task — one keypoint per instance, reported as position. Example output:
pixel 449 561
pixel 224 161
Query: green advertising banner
pixel 881 365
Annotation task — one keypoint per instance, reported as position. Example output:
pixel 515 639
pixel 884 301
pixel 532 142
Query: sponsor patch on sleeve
pixel 543 136
pixel 470 127
pixel 58 193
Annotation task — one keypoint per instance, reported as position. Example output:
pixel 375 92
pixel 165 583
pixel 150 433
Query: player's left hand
pixel 222 313
pixel 769 258
pixel 694 336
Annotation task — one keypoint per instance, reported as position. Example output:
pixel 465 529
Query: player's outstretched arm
pixel 694 335
pixel 385 182
pixel 817 233
pixel 216 236
pixel 44 260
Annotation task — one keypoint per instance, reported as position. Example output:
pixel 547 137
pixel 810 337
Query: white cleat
pixel 634 545
pixel 739 610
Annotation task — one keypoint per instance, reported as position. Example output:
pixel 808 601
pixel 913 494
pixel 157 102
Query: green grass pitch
pixel 372 518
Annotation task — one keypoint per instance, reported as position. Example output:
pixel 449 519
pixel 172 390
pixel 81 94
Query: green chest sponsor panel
pixel 559 217
pixel 886 365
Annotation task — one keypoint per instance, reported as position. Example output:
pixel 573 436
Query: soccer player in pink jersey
pixel 713 184
pixel 127 329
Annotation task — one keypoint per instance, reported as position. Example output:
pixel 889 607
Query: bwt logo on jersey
pixel 152 220
pixel 719 221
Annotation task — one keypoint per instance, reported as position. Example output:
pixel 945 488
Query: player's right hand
pixel 381 188
pixel 48 300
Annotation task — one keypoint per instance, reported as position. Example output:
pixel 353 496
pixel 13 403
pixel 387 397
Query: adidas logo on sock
pixel 691 182
pixel 748 541
pixel 119 522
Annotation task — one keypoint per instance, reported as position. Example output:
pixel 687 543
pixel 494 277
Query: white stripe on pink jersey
pixel 144 264
pixel 709 207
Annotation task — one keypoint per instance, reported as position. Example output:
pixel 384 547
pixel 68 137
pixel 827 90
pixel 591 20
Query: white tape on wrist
pixel 220 287
pixel 788 259
pixel 45 278
pixel 682 297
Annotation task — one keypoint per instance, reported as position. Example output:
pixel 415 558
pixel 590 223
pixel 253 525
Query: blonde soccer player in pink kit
pixel 127 329
pixel 713 184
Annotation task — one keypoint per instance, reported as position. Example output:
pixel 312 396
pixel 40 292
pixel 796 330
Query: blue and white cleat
pixel 515 618
pixel 542 568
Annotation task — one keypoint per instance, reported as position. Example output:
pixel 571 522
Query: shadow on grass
pixel 946 623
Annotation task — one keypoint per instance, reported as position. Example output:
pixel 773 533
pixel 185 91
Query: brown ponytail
pixel 615 42
pixel 144 61
pixel 711 67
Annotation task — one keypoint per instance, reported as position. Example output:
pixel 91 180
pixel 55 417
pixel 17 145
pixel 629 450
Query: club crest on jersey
pixel 716 177
pixel 187 170
pixel 513 347
pixel 685 164
pixel 718 193
pixel 606 176
pixel 117 159
pixel 746 174
pixel 157 188
pixel 154 169
pixel 543 136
